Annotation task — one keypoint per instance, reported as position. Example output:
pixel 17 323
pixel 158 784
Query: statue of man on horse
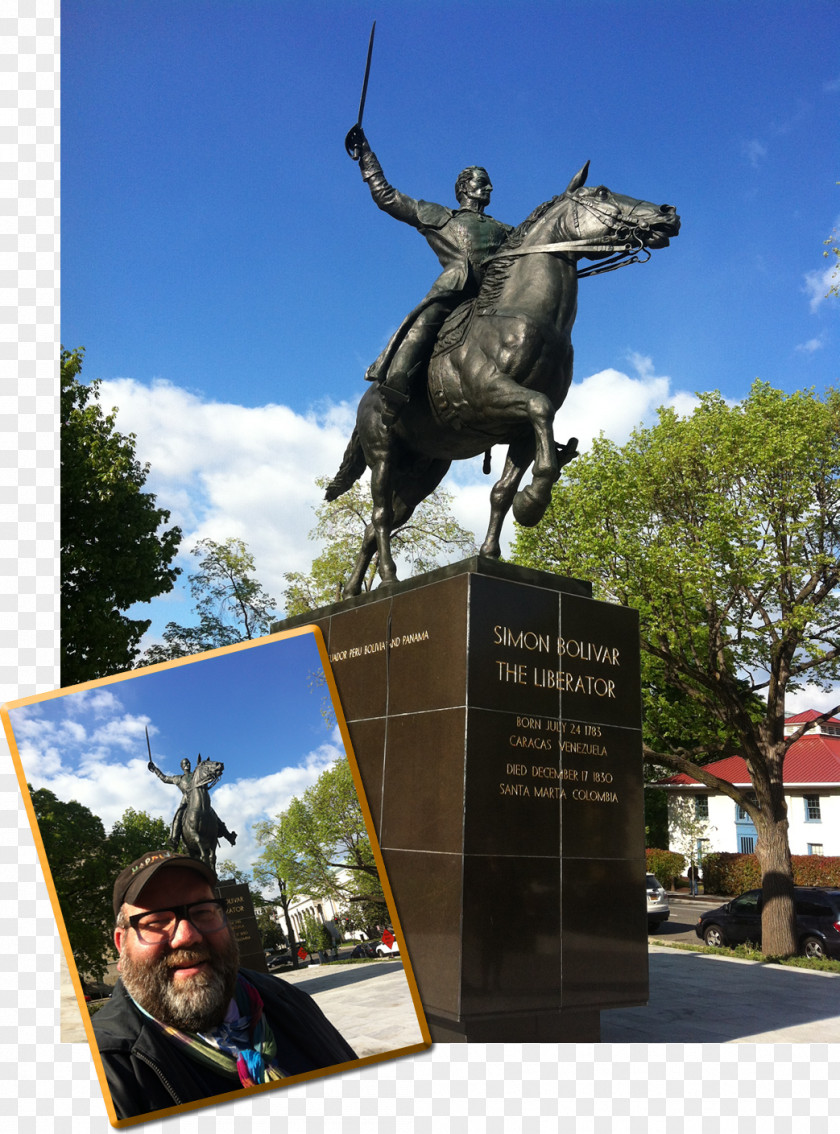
pixel 486 358
pixel 195 822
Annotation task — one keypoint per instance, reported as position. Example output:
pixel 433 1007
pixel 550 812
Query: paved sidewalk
pixel 694 998
pixel 370 1004
pixel 702 998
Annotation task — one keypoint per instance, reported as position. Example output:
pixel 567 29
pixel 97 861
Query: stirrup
pixel 393 394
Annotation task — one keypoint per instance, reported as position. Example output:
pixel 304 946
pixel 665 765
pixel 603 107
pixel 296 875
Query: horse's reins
pixel 620 254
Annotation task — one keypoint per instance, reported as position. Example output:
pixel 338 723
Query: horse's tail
pixel 352 466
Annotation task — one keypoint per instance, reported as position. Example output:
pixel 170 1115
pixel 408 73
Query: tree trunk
pixel 778 920
pixel 290 933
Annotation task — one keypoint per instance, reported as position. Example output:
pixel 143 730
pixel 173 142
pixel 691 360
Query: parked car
pixel 365 949
pixel 657 903
pixel 279 960
pixel 817 921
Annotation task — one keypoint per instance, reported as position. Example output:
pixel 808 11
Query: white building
pixel 324 910
pixel 702 821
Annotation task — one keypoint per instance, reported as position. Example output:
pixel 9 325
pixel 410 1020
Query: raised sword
pixel 351 142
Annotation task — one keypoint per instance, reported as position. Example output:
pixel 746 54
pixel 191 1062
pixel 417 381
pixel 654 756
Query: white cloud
pixel 754 151
pixel 609 401
pixel 811 346
pixel 812 697
pixel 92 768
pixel 615 403
pixel 817 284
pixel 245 802
pixel 226 470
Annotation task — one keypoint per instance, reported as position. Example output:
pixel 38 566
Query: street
pixel 684 914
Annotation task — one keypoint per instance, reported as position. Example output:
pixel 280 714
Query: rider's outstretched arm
pixel 391 200
pixel 161 776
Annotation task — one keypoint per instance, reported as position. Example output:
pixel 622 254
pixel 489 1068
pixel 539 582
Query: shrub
pixel 734 873
pixel 725 873
pixel 816 870
pixel 664 864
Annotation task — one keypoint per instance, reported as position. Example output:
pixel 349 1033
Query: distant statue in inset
pixel 195 822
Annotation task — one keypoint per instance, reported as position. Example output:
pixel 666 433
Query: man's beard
pixel 193 1005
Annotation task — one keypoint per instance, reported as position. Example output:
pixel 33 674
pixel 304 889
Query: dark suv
pixel 817 921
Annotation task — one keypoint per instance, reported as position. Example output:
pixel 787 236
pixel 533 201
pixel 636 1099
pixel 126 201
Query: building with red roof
pixel 701 821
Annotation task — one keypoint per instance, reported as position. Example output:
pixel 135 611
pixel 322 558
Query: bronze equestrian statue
pixel 195 822
pixel 486 357
pixel 500 369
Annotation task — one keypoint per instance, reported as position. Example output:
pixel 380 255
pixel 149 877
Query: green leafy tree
pixel 316 937
pixel 319 848
pixel 431 532
pixel 269 926
pixel 135 834
pixel 84 862
pixel 327 829
pixel 114 549
pixel 230 603
pixel 723 530
pixel 278 867
pixel 75 846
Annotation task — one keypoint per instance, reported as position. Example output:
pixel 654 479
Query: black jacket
pixel 147 1071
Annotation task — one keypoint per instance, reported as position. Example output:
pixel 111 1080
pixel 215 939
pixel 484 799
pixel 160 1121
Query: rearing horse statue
pixel 202 828
pixel 501 369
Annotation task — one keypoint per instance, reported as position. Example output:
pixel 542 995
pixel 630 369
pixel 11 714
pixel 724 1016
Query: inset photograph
pixel 215 877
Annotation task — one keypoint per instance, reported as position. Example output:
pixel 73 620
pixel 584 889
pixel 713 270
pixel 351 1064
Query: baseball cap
pixel 131 881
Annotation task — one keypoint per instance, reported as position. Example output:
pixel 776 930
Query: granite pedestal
pixel 243 922
pixel 495 715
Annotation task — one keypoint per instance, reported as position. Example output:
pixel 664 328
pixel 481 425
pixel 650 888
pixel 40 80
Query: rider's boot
pixel 407 365
pixel 394 393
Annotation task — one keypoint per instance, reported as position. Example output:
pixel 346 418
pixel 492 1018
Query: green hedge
pixel 730 873
pixel 664 864
pixel 734 873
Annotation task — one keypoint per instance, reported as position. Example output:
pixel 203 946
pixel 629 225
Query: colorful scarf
pixel 246 1047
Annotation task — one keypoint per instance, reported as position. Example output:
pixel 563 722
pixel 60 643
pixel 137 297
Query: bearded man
pixel 184 1022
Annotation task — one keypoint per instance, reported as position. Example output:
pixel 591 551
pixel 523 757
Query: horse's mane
pixel 498 268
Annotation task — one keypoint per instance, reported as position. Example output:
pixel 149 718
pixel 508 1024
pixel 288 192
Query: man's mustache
pixel 182 957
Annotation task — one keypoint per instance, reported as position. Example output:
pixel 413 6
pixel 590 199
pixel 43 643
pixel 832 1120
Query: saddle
pixel 454 330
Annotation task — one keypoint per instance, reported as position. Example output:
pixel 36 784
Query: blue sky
pixel 254 709
pixel 225 268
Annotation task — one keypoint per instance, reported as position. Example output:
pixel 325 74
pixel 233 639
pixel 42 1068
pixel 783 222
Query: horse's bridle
pixel 619 253
pixel 210 782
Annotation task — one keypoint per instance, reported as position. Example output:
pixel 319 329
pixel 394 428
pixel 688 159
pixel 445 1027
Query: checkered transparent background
pixel 50 1085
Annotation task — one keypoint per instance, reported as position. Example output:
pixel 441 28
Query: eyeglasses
pixel 153 926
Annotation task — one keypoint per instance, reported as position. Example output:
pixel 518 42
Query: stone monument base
pixel 495 714
pixel 243 922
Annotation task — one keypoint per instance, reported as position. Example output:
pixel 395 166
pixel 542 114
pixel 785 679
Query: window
pixel 742 813
pixel 811 907
pixel 815 848
pixel 747 844
pixel 812 809
pixel 701 807
pixel 748 905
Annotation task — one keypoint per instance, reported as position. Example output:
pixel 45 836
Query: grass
pixel 749 952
